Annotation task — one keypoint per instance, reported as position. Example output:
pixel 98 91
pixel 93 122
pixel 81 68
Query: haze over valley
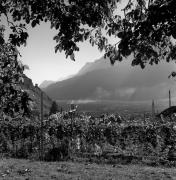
pixel 100 81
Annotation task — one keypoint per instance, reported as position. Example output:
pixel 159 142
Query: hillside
pixel 45 84
pixel 101 81
pixel 35 94
pixel 96 65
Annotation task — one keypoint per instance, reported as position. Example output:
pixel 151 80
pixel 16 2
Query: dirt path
pixel 15 169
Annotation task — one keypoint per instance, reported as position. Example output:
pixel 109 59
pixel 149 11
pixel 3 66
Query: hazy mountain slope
pixel 45 84
pixel 100 80
pixel 97 64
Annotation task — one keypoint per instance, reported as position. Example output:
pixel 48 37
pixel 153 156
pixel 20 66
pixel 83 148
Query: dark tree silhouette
pixel 13 100
pixel 146 29
pixel 54 108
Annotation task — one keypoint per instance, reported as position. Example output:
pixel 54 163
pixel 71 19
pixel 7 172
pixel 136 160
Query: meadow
pixel 20 169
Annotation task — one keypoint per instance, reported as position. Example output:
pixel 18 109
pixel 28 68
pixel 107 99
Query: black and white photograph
pixel 88 89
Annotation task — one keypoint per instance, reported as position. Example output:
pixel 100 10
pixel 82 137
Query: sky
pixel 44 63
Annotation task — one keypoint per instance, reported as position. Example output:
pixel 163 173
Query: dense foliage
pixel 148 31
pixel 54 108
pixel 148 39
pixel 80 136
pixel 68 17
pixel 13 100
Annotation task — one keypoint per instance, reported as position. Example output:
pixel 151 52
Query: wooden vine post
pixel 41 130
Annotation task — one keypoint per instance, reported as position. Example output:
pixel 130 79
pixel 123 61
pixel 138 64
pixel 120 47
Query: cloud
pixel 101 93
pixel 82 101
pixel 125 93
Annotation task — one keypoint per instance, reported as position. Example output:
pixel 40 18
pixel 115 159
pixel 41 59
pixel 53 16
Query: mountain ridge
pixel 100 80
pixel 46 83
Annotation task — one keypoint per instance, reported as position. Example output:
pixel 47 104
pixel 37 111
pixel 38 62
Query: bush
pixel 61 152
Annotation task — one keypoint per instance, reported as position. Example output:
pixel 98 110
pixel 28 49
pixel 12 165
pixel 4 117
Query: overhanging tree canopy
pixel 146 29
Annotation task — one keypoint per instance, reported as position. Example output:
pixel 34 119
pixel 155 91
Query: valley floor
pixel 18 169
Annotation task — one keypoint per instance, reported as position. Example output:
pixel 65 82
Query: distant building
pixel 73 107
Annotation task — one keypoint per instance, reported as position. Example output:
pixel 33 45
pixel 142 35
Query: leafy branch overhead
pixel 143 28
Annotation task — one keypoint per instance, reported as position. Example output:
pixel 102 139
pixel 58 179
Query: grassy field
pixel 18 169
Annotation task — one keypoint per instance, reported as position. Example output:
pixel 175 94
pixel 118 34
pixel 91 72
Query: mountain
pixel 96 65
pixel 35 94
pixel 101 81
pixel 45 84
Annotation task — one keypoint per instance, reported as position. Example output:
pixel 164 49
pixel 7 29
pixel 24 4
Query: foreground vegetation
pixel 106 139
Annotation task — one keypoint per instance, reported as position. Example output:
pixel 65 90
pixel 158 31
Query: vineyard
pixel 94 139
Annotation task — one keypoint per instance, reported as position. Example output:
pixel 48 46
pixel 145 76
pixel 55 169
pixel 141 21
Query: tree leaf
pixel 72 57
